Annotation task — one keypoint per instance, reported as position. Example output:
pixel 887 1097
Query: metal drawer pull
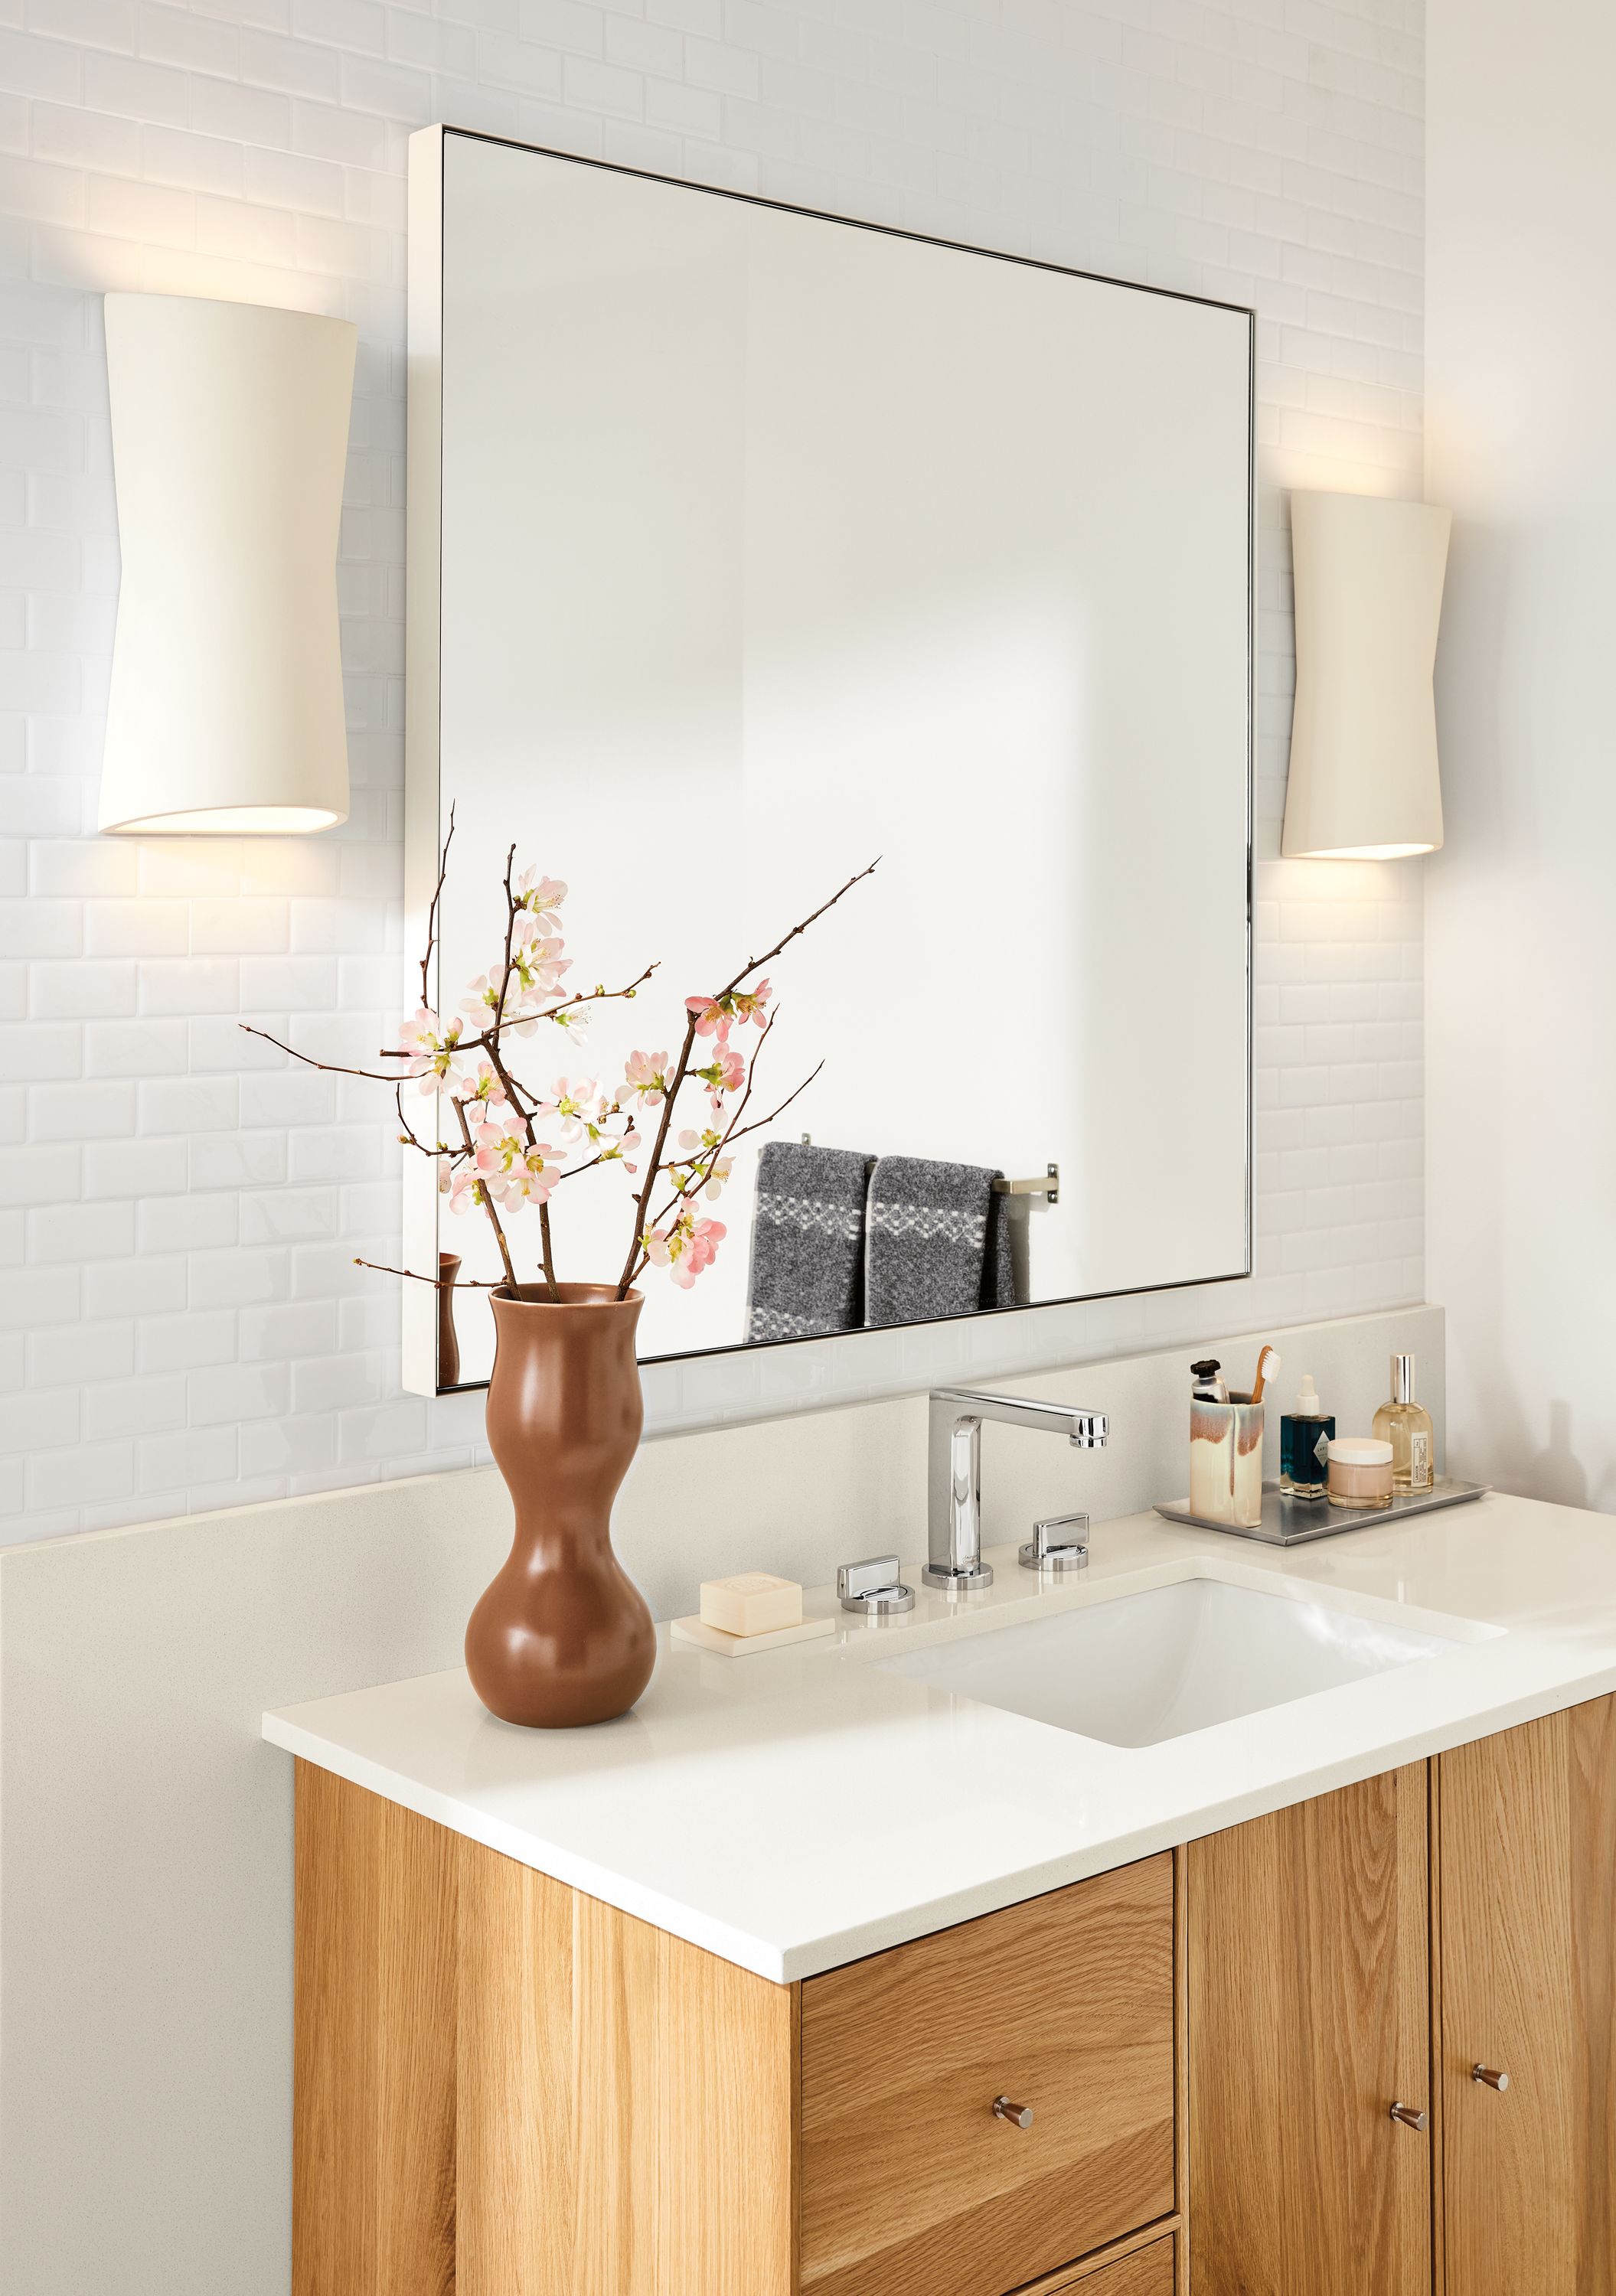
pixel 1489 2078
pixel 1409 2115
pixel 1021 2114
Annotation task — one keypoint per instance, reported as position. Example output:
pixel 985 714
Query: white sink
pixel 1137 1668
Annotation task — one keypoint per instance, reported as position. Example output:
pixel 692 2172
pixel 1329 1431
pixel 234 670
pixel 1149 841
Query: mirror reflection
pixel 770 545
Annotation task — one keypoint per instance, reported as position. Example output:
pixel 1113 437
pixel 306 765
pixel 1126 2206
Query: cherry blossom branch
pixel 486 1200
pixel 682 1070
pixel 700 1168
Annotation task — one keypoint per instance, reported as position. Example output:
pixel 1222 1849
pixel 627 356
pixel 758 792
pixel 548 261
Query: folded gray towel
pixel 937 1242
pixel 807 1242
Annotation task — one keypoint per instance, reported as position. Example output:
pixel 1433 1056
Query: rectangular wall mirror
pixel 748 544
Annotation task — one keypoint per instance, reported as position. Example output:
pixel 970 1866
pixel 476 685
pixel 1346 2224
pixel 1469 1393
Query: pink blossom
pixel 748 1005
pixel 710 1169
pixel 428 1047
pixel 646 1074
pixel 463 1188
pixel 538 895
pixel 513 1170
pixel 710 1016
pixel 724 1072
pixel 578 1108
pixel 485 1087
pixel 684 1246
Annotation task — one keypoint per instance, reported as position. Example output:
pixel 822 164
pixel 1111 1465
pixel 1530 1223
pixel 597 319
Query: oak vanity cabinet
pixel 1441 1939
pixel 504 2087
pixel 1526 1827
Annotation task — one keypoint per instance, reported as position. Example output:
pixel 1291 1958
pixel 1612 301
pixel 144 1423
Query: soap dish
pixel 698 1632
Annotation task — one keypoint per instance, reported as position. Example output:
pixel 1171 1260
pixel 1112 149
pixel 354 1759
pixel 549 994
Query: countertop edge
pixel 789 1964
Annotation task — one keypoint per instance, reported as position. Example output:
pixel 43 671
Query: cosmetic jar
pixel 1360 1473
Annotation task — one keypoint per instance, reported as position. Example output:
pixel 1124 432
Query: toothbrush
pixel 1268 1364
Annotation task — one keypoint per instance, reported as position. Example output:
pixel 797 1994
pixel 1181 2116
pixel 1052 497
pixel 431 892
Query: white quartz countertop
pixel 800 1808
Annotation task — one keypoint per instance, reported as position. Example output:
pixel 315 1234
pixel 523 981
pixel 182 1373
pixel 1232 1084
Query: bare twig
pixel 408 1137
pixel 332 1068
pixel 752 963
pixel 432 914
pixel 438 1282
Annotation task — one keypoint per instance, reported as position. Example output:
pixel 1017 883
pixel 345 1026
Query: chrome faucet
pixel 954 1495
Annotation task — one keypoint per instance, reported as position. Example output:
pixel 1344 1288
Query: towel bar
pixel 1049 1187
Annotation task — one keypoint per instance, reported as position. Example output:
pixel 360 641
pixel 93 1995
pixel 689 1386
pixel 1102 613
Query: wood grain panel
pixel 1147 2272
pixel 1309 2012
pixel 516 2145
pixel 910 2186
pixel 626 2102
pixel 373 2049
pixel 1528 1838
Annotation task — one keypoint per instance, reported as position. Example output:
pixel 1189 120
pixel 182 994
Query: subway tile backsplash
pixel 181 1323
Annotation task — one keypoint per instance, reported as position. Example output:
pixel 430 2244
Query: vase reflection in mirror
pixel 449 1337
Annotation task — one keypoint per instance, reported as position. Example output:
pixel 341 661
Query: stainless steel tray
pixel 1288 1521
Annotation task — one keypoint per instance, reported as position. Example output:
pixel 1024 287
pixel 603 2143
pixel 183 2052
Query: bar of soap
pixel 751 1603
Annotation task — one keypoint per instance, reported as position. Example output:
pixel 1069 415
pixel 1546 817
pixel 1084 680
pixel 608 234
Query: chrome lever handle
pixel 1060 1542
pixel 1021 2115
pixel 873 1585
pixel 1409 2115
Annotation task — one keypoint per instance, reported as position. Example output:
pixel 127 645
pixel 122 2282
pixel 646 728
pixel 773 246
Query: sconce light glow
pixel 1365 784
pixel 229 436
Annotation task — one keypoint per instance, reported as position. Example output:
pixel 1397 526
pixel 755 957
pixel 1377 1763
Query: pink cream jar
pixel 1360 1473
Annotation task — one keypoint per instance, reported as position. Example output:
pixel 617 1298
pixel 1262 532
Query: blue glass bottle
pixel 1305 1433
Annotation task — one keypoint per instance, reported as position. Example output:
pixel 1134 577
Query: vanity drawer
pixel 1147 2272
pixel 910 2185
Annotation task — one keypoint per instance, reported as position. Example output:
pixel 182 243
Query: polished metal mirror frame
pixel 422 726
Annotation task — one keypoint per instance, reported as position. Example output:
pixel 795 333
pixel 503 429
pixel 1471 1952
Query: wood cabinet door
pixel 910 2185
pixel 1527 1829
pixel 1309 2017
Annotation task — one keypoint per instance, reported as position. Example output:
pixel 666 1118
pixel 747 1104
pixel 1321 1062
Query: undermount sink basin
pixel 1139 1668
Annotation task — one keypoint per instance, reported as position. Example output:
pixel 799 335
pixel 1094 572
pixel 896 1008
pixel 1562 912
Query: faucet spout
pixel 954 1497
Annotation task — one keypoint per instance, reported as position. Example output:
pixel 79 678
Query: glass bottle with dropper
pixel 1405 1425
pixel 1305 1434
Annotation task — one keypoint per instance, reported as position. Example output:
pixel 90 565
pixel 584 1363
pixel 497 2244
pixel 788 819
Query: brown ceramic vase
pixel 562 1636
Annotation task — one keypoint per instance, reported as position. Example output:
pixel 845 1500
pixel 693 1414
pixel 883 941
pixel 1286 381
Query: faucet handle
pixel 1059 1542
pixel 874 1584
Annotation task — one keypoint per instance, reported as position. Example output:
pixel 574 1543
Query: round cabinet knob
pixel 1409 2115
pixel 1489 2077
pixel 1020 2114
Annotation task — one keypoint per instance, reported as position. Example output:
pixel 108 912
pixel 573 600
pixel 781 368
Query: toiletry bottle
pixel 1208 1387
pixel 1304 1444
pixel 1405 1425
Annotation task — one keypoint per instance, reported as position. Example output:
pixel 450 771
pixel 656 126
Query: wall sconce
pixel 1364 782
pixel 229 436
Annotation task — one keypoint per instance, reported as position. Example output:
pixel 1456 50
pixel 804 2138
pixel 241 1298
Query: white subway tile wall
pixel 181 1325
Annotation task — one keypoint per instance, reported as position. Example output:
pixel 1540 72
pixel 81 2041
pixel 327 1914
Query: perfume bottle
pixel 1305 1433
pixel 1405 1425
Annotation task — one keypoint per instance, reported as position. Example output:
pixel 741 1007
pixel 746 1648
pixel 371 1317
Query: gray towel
pixel 807 1242
pixel 937 1242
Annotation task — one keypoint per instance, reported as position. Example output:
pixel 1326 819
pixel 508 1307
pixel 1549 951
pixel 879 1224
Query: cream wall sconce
pixel 229 437
pixel 1364 782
